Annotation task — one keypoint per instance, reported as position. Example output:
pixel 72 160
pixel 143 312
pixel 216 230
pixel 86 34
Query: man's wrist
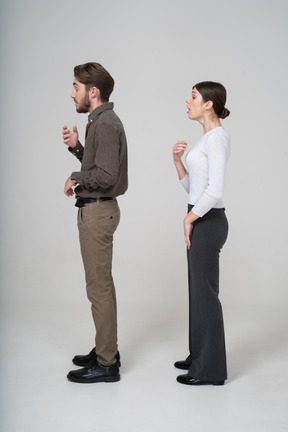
pixel 72 177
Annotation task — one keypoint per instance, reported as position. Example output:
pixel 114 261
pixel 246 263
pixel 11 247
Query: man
pixel 102 178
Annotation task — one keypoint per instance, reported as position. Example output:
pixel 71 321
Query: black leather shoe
pixel 95 373
pixel 182 364
pixel 188 380
pixel 86 360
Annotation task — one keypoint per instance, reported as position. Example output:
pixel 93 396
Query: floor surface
pixel 39 344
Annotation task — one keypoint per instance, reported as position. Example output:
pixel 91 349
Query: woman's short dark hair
pixel 94 75
pixel 215 92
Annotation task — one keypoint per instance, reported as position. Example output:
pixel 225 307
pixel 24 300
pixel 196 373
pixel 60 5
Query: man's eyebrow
pixel 75 84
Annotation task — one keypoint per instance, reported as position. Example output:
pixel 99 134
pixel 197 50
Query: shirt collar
pixel 94 114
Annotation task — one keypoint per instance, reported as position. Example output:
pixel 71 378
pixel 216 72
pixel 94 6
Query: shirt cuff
pixel 76 177
pixel 77 150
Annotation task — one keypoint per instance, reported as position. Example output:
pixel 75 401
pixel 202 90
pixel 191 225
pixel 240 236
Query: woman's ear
pixel 209 105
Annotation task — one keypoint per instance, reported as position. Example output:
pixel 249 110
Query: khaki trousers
pixel 97 223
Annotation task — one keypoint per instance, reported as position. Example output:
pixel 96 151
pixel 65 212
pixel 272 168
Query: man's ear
pixel 94 92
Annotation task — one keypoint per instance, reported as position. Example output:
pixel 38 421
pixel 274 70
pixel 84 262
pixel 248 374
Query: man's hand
pixel 70 138
pixel 68 191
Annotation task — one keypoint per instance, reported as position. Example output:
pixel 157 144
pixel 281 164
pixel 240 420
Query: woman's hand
pixel 188 227
pixel 178 150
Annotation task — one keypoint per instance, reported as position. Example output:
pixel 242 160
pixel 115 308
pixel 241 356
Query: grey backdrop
pixel 156 51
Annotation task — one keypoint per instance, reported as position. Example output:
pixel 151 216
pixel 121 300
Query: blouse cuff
pixel 185 183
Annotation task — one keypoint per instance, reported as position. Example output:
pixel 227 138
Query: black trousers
pixel 206 329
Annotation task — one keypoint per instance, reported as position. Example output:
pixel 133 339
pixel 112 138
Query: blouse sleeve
pixel 217 150
pixel 185 182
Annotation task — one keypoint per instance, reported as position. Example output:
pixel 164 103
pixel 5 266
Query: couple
pixel 103 177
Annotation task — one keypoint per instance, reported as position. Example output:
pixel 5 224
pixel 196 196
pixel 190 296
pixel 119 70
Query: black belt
pixel 82 201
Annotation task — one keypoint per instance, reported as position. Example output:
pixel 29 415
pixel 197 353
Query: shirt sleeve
pixel 105 173
pixel 77 151
pixel 185 182
pixel 217 150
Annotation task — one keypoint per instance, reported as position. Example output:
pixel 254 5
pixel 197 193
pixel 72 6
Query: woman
pixel 205 232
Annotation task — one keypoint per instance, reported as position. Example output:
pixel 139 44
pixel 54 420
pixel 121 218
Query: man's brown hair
pixel 94 75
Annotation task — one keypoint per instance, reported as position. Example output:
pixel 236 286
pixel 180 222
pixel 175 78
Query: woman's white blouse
pixel 206 167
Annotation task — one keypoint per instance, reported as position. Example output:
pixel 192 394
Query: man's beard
pixel 84 104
